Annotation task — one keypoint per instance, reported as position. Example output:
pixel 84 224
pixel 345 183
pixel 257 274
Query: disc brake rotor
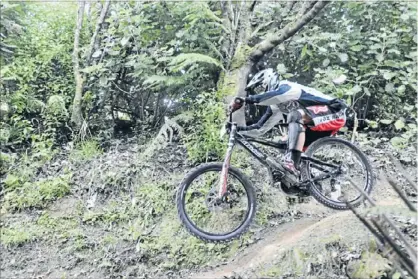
pixel 214 203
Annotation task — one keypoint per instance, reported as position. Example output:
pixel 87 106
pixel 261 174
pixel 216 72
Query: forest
pixel 106 105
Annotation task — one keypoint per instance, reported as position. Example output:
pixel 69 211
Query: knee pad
pixel 295 128
pixel 294 116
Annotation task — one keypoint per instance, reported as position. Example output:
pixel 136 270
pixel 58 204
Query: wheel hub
pixel 216 203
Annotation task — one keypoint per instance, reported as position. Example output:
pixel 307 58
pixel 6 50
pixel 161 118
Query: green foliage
pixel 203 139
pixel 85 150
pixel 156 228
pixel 185 60
pixel 374 45
pixel 37 84
pixel 115 212
pixel 164 136
pixel 6 161
pixel 34 195
pixel 15 236
pixel 9 26
pixel 159 77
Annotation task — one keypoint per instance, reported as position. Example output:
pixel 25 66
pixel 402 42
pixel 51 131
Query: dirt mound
pixel 311 238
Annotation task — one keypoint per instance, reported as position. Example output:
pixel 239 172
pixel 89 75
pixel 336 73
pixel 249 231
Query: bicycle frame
pixel 244 141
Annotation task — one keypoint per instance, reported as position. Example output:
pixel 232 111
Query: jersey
pixel 289 91
pixel 287 96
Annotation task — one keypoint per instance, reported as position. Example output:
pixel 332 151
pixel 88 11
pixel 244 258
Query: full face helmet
pixel 267 79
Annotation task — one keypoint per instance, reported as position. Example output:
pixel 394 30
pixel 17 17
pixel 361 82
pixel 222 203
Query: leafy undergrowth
pixel 111 211
pixel 85 212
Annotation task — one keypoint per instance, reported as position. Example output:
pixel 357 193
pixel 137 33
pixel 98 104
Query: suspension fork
pixel 223 182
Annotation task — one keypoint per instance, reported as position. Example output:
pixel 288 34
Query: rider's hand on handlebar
pixel 228 127
pixel 236 104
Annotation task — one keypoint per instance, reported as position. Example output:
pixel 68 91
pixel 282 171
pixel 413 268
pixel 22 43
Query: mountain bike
pixel 222 189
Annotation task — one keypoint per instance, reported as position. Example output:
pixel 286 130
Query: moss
pixel 372 245
pixel 274 272
pixel 332 239
pixel 299 260
pixel 370 265
pixel 55 188
pixel 228 85
pixel 241 56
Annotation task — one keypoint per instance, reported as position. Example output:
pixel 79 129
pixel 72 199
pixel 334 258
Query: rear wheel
pixel 208 217
pixel 338 189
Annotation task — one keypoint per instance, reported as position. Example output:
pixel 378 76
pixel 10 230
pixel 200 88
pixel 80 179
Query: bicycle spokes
pixel 212 213
pixel 332 167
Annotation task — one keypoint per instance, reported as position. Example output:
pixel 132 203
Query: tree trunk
pixel 77 114
pixel 245 57
pixel 77 117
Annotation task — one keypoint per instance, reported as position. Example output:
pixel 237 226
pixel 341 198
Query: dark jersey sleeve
pixel 282 94
pixel 260 122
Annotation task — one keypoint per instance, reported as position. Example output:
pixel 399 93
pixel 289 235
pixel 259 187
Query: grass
pixel 37 194
pixel 85 150
pixel 145 219
pixel 16 236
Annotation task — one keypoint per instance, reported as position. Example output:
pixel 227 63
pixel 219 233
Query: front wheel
pixel 338 189
pixel 209 217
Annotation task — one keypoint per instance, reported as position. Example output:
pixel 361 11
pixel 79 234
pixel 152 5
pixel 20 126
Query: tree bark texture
pixel 77 117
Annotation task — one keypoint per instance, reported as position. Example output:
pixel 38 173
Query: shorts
pixel 326 118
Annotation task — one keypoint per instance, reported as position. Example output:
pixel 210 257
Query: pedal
pixel 304 199
pixel 291 200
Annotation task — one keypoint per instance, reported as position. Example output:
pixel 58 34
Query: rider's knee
pixel 294 116
pixel 294 119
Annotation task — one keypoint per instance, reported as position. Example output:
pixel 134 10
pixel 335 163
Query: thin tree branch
pixel 405 261
pixel 402 170
pixel 290 6
pixel 292 28
pixel 277 23
pixel 252 6
pixel 230 11
pixel 308 5
pixel 408 246
pixel 99 24
pixel 124 91
pixel 402 195
pixel 285 11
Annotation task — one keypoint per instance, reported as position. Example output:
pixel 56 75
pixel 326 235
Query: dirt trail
pixel 284 238
pixel 260 252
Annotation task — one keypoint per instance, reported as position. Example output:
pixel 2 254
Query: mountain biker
pixel 306 108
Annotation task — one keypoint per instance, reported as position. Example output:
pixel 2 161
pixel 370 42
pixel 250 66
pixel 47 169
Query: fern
pixel 184 117
pixel 156 80
pixel 164 136
pixel 183 60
